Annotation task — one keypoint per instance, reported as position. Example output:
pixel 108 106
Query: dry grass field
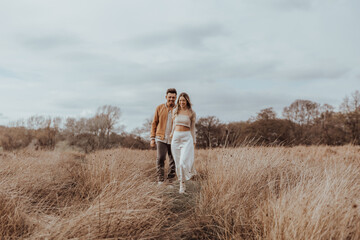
pixel 243 193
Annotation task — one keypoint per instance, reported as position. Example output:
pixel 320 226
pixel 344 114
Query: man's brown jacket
pixel 158 125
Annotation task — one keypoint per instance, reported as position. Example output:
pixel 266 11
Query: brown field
pixel 243 193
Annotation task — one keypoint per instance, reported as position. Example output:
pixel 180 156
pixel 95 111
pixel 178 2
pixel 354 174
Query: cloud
pixel 215 70
pixel 3 119
pixel 313 74
pixel 7 73
pixel 293 4
pixel 186 72
pixel 230 103
pixel 287 4
pixel 46 42
pixel 76 104
pixel 191 37
pixel 302 70
pixel 233 58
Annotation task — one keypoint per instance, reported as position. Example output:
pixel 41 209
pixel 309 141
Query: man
pixel 160 134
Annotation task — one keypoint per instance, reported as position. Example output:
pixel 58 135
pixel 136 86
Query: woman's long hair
pixel 188 104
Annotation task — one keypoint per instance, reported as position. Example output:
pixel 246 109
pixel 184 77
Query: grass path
pixel 182 207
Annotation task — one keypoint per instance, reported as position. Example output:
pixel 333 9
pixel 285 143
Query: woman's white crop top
pixel 185 120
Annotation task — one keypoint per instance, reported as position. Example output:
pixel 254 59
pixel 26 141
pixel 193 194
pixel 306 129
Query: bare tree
pixel 210 132
pixel 350 109
pixel 107 117
pixel 302 115
pixel 351 105
pixel 144 130
pixel 35 122
pixel 74 127
pixel 302 111
pixel 56 122
pixel 17 123
pixel 266 114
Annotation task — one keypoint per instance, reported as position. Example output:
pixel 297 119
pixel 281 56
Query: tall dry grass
pixel 108 194
pixel 243 193
pixel 280 193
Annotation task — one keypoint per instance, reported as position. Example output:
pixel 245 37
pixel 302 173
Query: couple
pixel 173 131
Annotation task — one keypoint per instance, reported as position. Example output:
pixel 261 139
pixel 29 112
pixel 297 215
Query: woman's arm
pixel 192 127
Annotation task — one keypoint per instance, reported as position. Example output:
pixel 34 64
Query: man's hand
pixel 152 143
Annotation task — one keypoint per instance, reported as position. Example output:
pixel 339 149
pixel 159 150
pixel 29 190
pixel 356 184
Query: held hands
pixel 152 143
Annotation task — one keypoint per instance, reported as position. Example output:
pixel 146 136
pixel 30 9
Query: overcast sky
pixel 234 58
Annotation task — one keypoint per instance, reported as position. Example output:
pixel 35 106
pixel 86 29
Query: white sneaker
pixel 182 188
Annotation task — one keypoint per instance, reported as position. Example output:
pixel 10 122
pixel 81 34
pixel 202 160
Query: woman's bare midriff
pixel 181 128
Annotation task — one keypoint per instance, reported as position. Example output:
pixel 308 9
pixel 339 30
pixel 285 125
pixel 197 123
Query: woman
pixel 183 139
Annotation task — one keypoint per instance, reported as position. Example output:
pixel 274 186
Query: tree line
pixel 88 134
pixel 303 122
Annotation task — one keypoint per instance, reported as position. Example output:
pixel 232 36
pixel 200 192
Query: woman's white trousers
pixel 182 148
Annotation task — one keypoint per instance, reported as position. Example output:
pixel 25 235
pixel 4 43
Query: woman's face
pixel 182 102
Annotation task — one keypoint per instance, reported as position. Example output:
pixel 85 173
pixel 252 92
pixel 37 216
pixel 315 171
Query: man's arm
pixel 153 127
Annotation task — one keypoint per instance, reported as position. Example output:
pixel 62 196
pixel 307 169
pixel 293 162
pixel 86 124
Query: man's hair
pixel 171 90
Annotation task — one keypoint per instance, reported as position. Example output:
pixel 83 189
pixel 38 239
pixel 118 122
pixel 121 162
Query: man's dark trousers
pixel 162 150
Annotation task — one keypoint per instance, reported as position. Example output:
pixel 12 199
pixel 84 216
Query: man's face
pixel 170 99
